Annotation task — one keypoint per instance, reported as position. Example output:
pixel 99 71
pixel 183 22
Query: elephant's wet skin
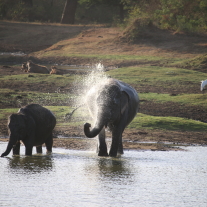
pixel 33 125
pixel 112 104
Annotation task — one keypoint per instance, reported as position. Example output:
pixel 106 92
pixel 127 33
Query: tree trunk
pixel 68 16
pixel 121 12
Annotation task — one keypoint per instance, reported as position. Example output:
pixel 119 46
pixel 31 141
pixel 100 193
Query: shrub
pixel 137 29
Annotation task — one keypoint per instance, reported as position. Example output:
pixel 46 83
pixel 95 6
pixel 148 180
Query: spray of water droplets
pixel 83 84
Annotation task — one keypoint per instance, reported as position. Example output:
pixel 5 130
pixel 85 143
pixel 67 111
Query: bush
pixel 179 15
pixel 138 28
pixel 182 15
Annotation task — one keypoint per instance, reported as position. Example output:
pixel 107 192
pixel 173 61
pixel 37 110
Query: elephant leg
pixel 28 150
pixel 39 149
pixel 16 149
pixel 117 145
pixel 124 116
pixel 120 147
pixel 49 143
pixel 29 142
pixel 115 142
pixel 102 148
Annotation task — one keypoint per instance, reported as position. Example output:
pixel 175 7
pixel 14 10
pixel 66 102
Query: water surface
pixel 13 53
pixel 81 178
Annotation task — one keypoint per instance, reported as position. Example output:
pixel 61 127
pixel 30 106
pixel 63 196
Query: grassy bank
pixel 140 122
pixel 168 87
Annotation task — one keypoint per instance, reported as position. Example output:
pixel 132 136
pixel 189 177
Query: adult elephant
pixel 112 104
pixel 33 125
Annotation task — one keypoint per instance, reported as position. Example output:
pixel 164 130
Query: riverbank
pixel 162 54
pixel 91 144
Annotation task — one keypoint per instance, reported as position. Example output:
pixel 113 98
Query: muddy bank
pixel 90 144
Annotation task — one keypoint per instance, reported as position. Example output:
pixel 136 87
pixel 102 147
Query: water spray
pixel 85 83
pixel 69 115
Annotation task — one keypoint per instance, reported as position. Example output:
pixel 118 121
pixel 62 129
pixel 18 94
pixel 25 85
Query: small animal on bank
pixel 56 71
pixel 203 84
pixel 24 67
pixel 32 125
pixel 35 68
pixel 112 104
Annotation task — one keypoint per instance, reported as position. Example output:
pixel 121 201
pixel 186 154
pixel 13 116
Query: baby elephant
pixel 33 125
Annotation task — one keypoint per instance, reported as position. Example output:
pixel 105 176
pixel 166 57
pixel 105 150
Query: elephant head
pixel 108 108
pixel 17 131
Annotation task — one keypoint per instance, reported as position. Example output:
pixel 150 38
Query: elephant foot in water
pixel 120 150
pixel 102 151
pixel 103 154
pixel 121 153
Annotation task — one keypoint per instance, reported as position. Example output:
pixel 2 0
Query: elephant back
pixel 44 119
pixel 131 92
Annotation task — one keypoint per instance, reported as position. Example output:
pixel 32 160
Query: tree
pixel 68 16
pixel 118 3
pixel 28 3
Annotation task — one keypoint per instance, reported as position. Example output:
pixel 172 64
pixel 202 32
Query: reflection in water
pixel 81 178
pixel 35 164
pixel 112 167
pixel 107 167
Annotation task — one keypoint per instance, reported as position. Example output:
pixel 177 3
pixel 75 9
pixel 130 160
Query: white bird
pixel 203 84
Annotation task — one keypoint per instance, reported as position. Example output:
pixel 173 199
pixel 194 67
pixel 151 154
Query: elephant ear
pixel 124 102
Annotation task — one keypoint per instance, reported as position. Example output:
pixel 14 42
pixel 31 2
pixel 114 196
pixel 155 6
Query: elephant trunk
pixel 103 117
pixel 8 149
pixel 93 132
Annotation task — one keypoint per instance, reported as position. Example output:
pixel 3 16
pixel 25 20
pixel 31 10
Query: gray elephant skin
pixel 112 104
pixel 33 125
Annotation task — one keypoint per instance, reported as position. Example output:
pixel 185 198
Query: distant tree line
pixel 31 10
pixel 183 15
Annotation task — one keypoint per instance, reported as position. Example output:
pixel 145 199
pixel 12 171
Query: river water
pixel 81 178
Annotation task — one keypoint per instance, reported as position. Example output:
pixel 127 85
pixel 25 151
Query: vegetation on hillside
pixel 178 15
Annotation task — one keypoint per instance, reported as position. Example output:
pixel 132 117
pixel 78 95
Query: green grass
pixel 199 62
pixel 156 74
pixel 103 57
pixel 4 113
pixel 188 99
pixel 79 117
pixel 66 52
pixel 17 98
pixel 39 78
pixel 139 75
pixel 142 121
